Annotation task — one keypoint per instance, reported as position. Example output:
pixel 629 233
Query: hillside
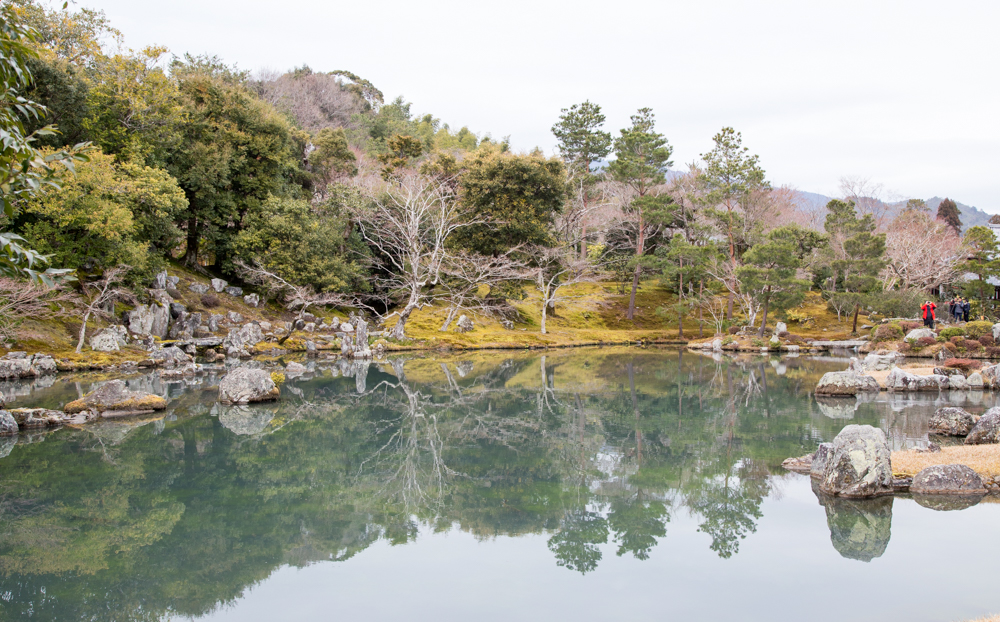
pixel 971 215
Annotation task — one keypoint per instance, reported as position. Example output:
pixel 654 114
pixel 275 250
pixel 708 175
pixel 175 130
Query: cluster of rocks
pixel 857 464
pixel 111 399
pixel 977 430
pixel 21 365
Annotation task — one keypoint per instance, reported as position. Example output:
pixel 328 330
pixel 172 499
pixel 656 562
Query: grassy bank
pixel 593 314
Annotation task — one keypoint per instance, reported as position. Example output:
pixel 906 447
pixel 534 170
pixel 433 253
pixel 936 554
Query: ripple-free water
pixel 588 484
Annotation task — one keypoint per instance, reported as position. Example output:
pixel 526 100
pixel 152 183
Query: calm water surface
pixel 594 484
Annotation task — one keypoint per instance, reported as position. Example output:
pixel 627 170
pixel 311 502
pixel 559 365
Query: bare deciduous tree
pixel 20 300
pixel 921 252
pixel 869 198
pixel 408 221
pixel 465 273
pixel 102 293
pixel 557 269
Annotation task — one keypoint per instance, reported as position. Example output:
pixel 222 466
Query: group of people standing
pixel 959 309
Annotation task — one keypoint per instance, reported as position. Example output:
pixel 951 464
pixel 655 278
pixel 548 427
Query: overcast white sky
pixel 905 93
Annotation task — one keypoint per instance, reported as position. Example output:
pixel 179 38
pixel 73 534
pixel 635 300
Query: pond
pixel 591 484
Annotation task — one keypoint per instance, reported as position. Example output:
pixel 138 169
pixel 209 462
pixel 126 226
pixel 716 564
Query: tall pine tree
pixel 948 213
pixel 641 162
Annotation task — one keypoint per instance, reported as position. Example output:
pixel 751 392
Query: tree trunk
pixel 767 300
pixel 638 267
pixel 191 253
pixel 680 298
pixel 451 316
pixel 631 298
pixel 729 309
pixel 857 307
pixel 701 312
pixel 83 331
pixel 399 330
pixel 545 308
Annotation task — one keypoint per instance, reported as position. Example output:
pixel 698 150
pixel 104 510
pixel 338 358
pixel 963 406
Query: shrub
pixel 897 303
pixel 173 293
pixel 978 329
pixel 963 364
pixel 728 340
pixel 952 331
pixel 993 352
pixel 757 342
pixel 733 330
pixel 951 347
pixel 887 332
pixel 970 344
pixel 957 339
pixel 784 334
pixel 905 347
pixel 987 340
pixel 908 326
pixel 210 300
pixel 926 341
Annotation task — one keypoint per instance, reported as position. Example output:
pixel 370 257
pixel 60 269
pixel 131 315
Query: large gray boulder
pixel 43 365
pixel 244 385
pixel 845 383
pixel 952 421
pixel 219 285
pixel 114 396
pixel 464 324
pixel 108 340
pixel 8 426
pixel 820 458
pixel 996 332
pixel 990 376
pixel 198 288
pixel 780 327
pixel 902 380
pixel 234 291
pixel 879 362
pixel 243 338
pixel 20 365
pixel 150 319
pixel 918 333
pixel 185 326
pixel 251 300
pixel 859 465
pixel 160 280
pixel 975 381
pixel 947 479
pixel 987 429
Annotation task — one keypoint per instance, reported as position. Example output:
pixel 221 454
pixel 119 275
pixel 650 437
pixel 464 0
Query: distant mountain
pixel 971 216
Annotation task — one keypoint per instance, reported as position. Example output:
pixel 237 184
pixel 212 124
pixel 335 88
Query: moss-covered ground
pixel 590 314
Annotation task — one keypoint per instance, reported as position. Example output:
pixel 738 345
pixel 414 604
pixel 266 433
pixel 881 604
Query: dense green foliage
pixel 514 197
pixel 202 162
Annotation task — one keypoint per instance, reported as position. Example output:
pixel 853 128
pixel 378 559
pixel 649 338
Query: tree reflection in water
pixel 590 448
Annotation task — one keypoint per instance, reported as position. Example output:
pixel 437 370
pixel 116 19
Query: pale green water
pixel 591 484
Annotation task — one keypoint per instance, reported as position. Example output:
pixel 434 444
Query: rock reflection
pixel 948 503
pixel 859 528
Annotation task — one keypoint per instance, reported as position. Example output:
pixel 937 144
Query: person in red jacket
pixel 928 309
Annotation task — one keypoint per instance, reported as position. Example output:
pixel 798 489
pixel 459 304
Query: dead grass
pixel 983 459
